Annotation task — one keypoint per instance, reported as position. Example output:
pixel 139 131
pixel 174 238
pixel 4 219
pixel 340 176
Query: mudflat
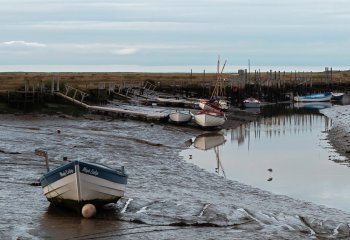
pixel 166 196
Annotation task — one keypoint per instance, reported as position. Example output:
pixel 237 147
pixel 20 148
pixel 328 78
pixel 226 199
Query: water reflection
pixel 276 126
pixel 284 152
pixel 313 105
pixel 253 110
pixel 345 99
pixel 73 226
pixel 209 140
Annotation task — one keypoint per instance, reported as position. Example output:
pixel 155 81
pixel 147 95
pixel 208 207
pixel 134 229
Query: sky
pixel 173 36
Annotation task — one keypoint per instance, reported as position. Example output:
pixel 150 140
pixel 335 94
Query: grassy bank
pixel 84 80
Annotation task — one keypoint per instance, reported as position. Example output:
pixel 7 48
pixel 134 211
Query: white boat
pixel 321 97
pixel 209 118
pixel 337 96
pixel 251 103
pixel 180 117
pixel 78 183
pixel 208 141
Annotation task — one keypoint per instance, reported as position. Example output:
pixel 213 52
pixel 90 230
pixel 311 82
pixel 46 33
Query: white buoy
pixel 88 210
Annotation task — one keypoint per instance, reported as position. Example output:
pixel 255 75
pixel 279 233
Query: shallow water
pixel 285 154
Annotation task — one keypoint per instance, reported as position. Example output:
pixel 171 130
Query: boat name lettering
pixel 66 172
pixel 93 172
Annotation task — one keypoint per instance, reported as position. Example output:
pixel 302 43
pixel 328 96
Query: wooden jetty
pixel 148 116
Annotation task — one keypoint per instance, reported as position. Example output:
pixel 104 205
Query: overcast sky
pixel 162 35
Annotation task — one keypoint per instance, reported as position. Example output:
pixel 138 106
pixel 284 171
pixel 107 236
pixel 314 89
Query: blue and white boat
pixel 78 183
pixel 321 97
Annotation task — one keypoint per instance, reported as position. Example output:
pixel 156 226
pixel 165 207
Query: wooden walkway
pixel 148 116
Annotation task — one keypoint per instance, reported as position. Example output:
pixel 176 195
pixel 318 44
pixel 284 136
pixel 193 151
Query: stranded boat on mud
pixel 78 183
pixel 209 118
pixel 180 117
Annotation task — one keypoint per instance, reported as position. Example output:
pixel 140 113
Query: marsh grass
pixel 84 80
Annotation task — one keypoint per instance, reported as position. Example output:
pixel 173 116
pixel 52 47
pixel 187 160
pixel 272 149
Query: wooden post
pixel 75 93
pixel 43 153
pixel 58 84
pixel 52 85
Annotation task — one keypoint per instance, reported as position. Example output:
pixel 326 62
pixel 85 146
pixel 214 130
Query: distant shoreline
pixel 157 69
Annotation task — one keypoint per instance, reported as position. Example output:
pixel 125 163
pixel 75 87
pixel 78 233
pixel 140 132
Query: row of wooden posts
pixel 270 85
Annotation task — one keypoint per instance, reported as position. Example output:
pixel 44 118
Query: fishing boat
pixel 206 118
pixel 251 103
pixel 321 97
pixel 180 117
pixel 78 183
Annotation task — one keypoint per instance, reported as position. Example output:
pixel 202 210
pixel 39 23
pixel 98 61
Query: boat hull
pixel 179 117
pixel 337 96
pixel 251 103
pixel 77 183
pixel 204 119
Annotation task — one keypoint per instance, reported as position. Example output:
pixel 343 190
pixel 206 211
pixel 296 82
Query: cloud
pixel 124 51
pixel 116 48
pixel 106 25
pixel 23 44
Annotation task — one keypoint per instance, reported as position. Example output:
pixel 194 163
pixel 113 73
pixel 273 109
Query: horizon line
pixel 161 69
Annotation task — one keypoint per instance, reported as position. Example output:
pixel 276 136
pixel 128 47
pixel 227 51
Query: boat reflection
pixel 256 110
pixel 313 105
pixel 209 141
pixel 346 99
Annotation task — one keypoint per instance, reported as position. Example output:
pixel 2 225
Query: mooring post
pixel 43 153
pixel 52 85
pixel 58 84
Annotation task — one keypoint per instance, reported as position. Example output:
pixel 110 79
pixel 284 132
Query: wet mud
pixel 166 197
pixel 339 135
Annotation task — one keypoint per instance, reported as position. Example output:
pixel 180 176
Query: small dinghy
pixel 180 117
